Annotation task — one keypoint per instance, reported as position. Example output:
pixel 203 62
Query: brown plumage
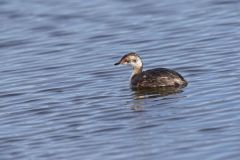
pixel 153 78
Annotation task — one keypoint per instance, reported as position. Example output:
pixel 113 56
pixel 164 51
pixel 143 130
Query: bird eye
pixel 134 60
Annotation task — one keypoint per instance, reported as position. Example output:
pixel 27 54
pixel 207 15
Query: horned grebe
pixel 153 78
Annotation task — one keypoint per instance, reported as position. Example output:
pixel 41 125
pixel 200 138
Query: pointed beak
pixel 117 63
pixel 121 61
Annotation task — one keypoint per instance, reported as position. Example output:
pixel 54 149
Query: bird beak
pixel 121 61
pixel 117 63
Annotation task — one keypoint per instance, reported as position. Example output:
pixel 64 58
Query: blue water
pixel 61 97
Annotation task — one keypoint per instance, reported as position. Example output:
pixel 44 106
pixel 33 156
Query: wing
pixel 159 77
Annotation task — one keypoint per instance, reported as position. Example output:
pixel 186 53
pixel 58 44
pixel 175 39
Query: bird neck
pixel 136 70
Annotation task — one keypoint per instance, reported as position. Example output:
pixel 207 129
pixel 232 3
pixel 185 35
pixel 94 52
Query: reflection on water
pixel 156 92
pixel 166 94
pixel 137 107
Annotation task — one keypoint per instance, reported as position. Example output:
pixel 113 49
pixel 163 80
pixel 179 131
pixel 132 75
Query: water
pixel 62 97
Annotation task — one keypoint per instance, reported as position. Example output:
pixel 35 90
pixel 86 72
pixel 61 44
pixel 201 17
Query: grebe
pixel 153 78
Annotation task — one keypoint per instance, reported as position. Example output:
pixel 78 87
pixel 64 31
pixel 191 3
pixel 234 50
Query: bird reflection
pixel 154 93
pixel 166 94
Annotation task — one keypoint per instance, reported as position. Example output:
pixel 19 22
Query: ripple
pixel 60 34
pixel 5 95
pixel 225 2
pixel 65 17
pixel 13 43
pixel 43 28
pixel 215 129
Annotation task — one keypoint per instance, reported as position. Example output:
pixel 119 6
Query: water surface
pixel 62 97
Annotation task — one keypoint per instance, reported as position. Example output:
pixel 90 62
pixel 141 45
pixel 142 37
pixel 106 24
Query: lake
pixel 61 97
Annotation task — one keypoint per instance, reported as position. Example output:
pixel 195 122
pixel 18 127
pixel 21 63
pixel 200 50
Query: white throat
pixel 137 67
